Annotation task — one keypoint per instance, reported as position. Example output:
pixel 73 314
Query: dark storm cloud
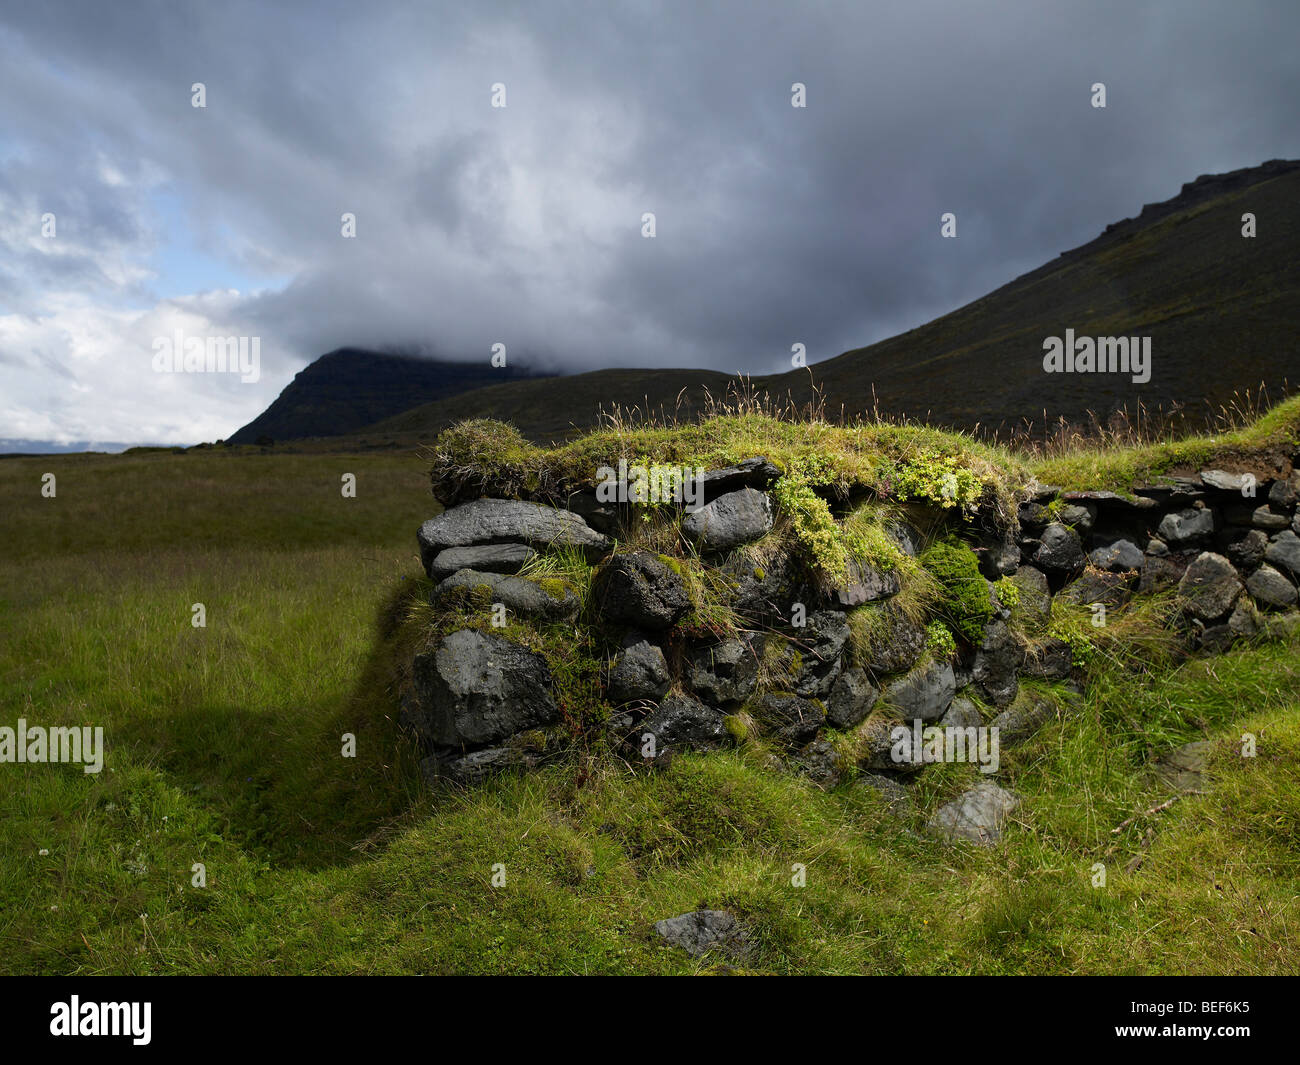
pixel 775 224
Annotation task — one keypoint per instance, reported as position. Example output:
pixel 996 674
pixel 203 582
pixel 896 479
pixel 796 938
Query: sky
pixel 522 225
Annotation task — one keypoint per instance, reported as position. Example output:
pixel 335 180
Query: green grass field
pixel 224 748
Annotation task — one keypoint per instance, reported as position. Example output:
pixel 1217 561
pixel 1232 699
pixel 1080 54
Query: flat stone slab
pixel 517 593
pixel 503 521
pixel 703 931
pixel 978 815
pixel 486 558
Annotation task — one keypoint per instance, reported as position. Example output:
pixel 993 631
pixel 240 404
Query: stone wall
pixel 1223 547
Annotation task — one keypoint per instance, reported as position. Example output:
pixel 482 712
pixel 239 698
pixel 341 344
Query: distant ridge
pixel 349 388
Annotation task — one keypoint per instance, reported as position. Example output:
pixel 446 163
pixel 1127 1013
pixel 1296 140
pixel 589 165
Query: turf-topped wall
pixel 842 610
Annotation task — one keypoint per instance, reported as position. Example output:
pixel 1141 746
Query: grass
pixel 224 748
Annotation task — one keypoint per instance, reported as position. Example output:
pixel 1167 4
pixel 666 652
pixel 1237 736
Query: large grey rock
pixel 817 662
pixel 1035 595
pixel 1209 587
pixel 552 601
pixel 477 688
pixel 977 816
pixel 1284 493
pixel 897 646
pixel 724 674
pixel 1284 551
pixel 730 520
pixel 867 584
pixel 1186 526
pixel 851 698
pixel 757 473
pixel 1097 586
pixel 1120 556
pixel 1060 549
pixel 1223 481
pixel 1080 516
pixel 638 589
pixel 1270 588
pixel 640 674
pixel 1049 659
pixel 497 521
pixel 961 714
pixel 681 722
pixel 924 693
pixel 764 592
pixel 821 763
pixel 792 718
pixel 997 664
pixel 1022 718
pixel 1270 520
pixel 1246 550
pixel 486 558
pixel 707 931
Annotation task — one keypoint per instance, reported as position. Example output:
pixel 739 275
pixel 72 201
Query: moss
pixel 554 587
pixel 964 603
pixel 1008 592
pixel 736 727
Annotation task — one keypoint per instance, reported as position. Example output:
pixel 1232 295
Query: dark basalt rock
pixel 638 589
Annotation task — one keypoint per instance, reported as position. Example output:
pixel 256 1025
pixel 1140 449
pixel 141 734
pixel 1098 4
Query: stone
pixel 683 723
pixel 1022 718
pixel 475 689
pixel 1050 659
pixel 1157 547
pixel 997 663
pixel 601 516
pixel 707 931
pixel 640 674
pixel 899 645
pixel 924 693
pixel 486 558
pixel 1263 518
pixel 638 589
pixel 549 601
pixel 1060 549
pixel 498 521
pixel 763 593
pixel 1097 586
pixel 1035 594
pixel 866 585
pixel 998 556
pixel 1284 551
pixel 729 521
pixel 1209 587
pixel 725 674
pixel 978 815
pixel 1187 526
pixel 1244 621
pixel 1246 550
pixel 476 766
pixel 757 473
pixel 851 698
pixel 812 659
pixel 821 763
pixel 1080 516
pixel 961 714
pixel 898 801
pixel 792 718
pixel 1284 493
pixel 1224 482
pixel 1159 573
pixel 1121 556
pixel 1270 588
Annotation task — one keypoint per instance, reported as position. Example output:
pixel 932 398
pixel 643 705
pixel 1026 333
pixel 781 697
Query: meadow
pixel 225 750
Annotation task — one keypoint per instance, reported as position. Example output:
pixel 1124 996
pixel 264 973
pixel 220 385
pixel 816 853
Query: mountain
pixel 1221 311
pixel 350 388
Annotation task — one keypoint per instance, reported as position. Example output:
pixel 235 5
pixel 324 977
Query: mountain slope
pixel 1221 311
pixel 350 388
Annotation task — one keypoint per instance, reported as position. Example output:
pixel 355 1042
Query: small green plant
pixel 939 640
pixel 1008 592
pixel 964 602
pixel 935 477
